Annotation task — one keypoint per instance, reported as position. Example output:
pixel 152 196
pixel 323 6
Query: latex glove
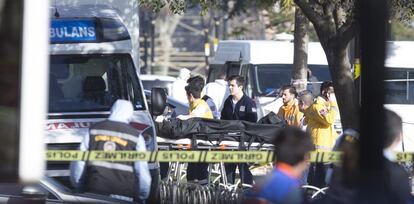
pixel 159 118
pixel 183 117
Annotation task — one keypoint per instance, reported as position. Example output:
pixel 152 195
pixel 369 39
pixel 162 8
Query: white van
pixel 399 87
pixel 91 66
pixel 266 66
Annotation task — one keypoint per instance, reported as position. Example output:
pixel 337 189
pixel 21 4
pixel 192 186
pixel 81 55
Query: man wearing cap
pixel 129 181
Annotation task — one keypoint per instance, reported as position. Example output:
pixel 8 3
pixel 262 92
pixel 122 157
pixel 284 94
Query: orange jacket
pixel 291 113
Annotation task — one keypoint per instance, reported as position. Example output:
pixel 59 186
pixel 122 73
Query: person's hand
pixel 183 117
pixel 332 97
pixel 159 119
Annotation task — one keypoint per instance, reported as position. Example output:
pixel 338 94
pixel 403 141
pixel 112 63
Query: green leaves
pixel 402 10
pixel 178 6
pixel 286 4
pixel 154 5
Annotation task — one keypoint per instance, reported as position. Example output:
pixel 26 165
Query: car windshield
pixel 399 86
pixel 272 76
pixel 84 83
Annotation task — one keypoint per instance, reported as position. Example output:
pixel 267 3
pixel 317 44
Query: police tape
pixel 193 156
pixel 162 156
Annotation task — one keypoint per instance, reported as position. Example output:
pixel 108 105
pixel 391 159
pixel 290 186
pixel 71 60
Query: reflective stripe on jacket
pixel 320 117
pixel 111 177
pixel 291 113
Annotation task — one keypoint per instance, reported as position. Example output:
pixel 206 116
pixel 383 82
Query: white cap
pixel 121 111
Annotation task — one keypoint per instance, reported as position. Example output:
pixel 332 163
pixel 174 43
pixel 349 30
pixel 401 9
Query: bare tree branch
pixel 315 18
pixel 347 32
pixel 315 2
pixel 336 18
pixel 328 8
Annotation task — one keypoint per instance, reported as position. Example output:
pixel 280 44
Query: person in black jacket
pixel 344 183
pixel 238 106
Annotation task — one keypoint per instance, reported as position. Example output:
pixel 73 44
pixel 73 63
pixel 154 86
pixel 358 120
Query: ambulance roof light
pixel 87 30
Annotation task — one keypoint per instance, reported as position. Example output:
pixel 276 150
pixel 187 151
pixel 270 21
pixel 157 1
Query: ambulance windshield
pixel 88 83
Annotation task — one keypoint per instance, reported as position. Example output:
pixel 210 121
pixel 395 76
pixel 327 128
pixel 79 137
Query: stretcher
pixel 217 131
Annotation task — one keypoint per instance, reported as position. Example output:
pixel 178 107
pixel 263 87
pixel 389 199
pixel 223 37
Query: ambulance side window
pixel 134 91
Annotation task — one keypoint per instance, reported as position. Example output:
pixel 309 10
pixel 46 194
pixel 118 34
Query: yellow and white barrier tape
pixel 192 156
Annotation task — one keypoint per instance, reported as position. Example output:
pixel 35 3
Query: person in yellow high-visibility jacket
pixel 320 117
pixel 200 109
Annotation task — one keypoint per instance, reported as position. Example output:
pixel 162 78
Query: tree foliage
pixel 402 10
pixel 335 23
pixel 178 6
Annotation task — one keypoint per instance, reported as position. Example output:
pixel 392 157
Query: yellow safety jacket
pixel 320 117
pixel 291 113
pixel 199 108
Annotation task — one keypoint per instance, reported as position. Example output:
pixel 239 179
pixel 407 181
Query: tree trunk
pixel 167 23
pixel 340 69
pixel 300 56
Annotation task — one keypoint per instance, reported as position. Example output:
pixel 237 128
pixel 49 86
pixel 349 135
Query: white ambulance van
pixel 399 87
pixel 266 66
pixel 92 64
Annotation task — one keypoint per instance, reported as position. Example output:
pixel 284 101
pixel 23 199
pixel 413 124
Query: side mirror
pixel 158 101
pixel 33 194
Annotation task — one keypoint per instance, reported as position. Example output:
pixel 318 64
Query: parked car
pixel 53 191
pixel 150 81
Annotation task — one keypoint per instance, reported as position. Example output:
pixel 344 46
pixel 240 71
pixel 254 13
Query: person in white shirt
pixel 218 91
pixel 178 87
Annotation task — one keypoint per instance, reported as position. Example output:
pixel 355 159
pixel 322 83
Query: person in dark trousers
pixel 283 185
pixel 194 86
pixel 129 181
pixel 320 118
pixel 238 106
pixel 200 109
pixel 343 188
pixel 397 178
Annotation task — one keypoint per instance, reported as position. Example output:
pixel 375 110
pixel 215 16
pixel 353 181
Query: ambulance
pixel 93 62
